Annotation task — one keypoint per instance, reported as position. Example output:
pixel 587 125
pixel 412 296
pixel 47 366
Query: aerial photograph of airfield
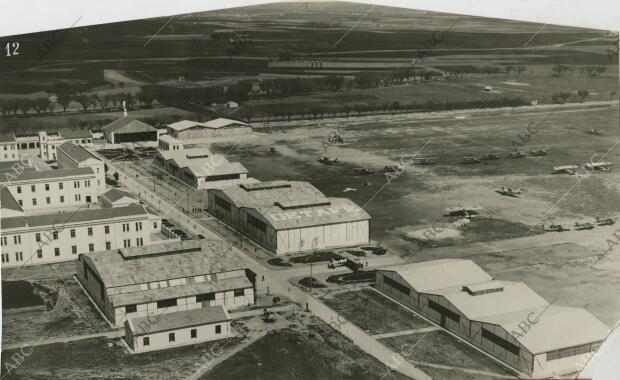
pixel 312 190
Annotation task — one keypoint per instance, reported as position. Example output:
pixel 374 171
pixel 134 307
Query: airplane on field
pixel 583 226
pixel 509 192
pixel 594 131
pixel 489 156
pixel 424 161
pixel 466 212
pixel 568 169
pixel 471 160
pixel 327 160
pixel 517 154
pixel 605 221
pixel 602 166
pixel 362 171
pixel 538 152
pixel 555 228
pixel 347 189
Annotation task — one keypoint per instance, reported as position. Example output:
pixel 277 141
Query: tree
pixel 146 96
pixel 24 105
pixel 40 104
pixel 583 94
pixel 130 100
pixel 96 100
pixel 64 99
pixel 84 100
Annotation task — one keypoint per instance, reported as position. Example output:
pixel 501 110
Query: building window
pixel 205 297
pixel 108 246
pixel 62 199
pixel 218 329
pixel 47 187
pixel 19 189
pixel 131 309
pixel 60 186
pixel 239 293
pixel 222 203
pixel 166 303
pixel 78 197
pixel 39 253
pixel 138 226
pixel 87 183
pixel 146 341
pixel 572 351
pixel 155 225
pixel 3 241
pixel 76 184
pixel 91 247
pixel 56 251
pixel 139 242
pixel 444 311
pixel 396 285
pixel 5 257
pixel 90 231
pixel 170 337
pixel 33 188
pixel 127 243
pixel 37 237
pixel 106 229
pixel 21 203
pixel 19 256
pixel 34 201
pixel 193 333
pixel 74 249
pixel 48 200
pixel 55 235
pixel 503 343
pixel 17 239
pixel 72 232
pixel 126 227
pixel 256 223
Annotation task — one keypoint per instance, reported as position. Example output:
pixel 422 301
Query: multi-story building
pixel 167 142
pixel 70 155
pixel 8 148
pixel 41 190
pixel 165 278
pixel 48 143
pixel 58 237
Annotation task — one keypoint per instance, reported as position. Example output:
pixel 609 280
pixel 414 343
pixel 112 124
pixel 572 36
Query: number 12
pixel 15 46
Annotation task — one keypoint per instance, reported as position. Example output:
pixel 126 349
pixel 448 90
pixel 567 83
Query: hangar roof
pixel 158 262
pixel 128 124
pixel 201 162
pixel 212 124
pixel 7 138
pixel 555 327
pixel 514 296
pixel 179 319
pixel 178 291
pixel 69 133
pixel 440 274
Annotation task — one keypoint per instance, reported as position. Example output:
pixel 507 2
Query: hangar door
pixel 444 313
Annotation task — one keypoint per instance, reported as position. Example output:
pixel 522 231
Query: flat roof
pixel 128 125
pixel 172 260
pixel 178 291
pixel 76 152
pixel 78 216
pixel 30 175
pixel 179 319
pixel 266 194
pixel 439 274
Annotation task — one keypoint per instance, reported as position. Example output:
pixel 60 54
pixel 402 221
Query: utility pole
pixel 311 278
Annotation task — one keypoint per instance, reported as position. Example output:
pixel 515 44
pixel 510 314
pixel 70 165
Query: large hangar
pixel 290 216
pixel 506 319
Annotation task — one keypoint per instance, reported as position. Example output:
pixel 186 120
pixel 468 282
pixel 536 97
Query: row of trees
pixel 559 70
pixel 44 105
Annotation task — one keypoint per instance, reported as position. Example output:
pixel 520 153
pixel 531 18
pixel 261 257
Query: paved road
pixel 64 339
pixel 406 332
